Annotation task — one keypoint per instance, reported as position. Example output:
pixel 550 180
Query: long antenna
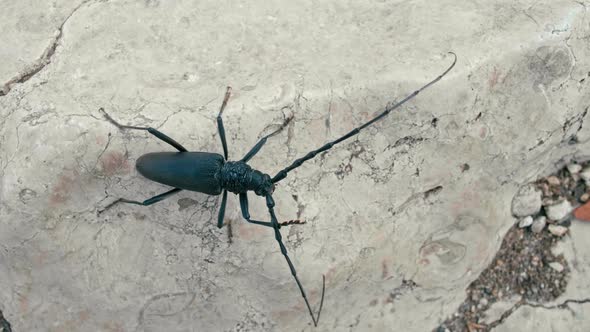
pixel 270 203
pixel 283 173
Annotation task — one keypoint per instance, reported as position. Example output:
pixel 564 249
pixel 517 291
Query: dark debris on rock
pixel 525 267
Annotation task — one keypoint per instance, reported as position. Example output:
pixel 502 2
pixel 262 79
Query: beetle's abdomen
pixel 195 171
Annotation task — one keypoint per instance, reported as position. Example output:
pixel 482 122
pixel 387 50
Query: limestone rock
pixel 527 201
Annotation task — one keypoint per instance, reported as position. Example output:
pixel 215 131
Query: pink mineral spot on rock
pixel 23 303
pixel 384 269
pixel 84 315
pixel 61 190
pixel 483 132
pixel 113 327
pixel 101 140
pixel 248 232
pixel 114 162
pixel 494 78
pixel 424 261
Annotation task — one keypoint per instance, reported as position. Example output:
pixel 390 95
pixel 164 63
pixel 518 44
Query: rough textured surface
pixel 400 219
pixel 570 311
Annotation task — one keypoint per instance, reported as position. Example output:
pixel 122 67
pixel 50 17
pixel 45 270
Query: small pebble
pixel 556 266
pixel 557 230
pixel 574 168
pixel 558 211
pixel 553 180
pixel 539 224
pixel 482 304
pixel 584 197
pixel 545 189
pixel 525 222
pixel 527 201
pixel 585 174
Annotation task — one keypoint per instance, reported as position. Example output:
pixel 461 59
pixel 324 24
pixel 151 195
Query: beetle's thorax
pixel 238 177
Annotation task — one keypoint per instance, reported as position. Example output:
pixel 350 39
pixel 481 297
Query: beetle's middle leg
pixel 147 202
pixel 150 130
pixel 246 215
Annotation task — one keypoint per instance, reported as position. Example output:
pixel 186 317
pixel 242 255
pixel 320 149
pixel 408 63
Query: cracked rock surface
pixel 400 218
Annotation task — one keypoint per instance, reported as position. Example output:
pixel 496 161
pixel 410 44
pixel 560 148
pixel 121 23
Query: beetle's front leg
pixel 220 128
pixel 246 215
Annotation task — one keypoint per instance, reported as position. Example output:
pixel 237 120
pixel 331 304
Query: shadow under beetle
pixel 213 174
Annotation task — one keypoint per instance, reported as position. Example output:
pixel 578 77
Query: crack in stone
pixel 516 306
pixel 43 61
pixel 407 286
pixel 577 119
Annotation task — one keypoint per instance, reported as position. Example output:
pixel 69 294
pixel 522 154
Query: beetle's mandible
pixel 213 174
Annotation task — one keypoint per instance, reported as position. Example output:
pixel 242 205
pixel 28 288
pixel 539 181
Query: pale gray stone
pixel 553 180
pixel 527 201
pixel 525 222
pixel 539 224
pixel 574 168
pixel 558 211
pixel 585 174
pixel 557 266
pixel 557 230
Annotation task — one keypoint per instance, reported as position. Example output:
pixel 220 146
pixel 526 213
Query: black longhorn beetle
pixel 213 174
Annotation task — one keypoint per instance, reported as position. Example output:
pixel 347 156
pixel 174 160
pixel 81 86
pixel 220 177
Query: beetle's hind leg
pixel 147 202
pixel 246 215
pixel 150 130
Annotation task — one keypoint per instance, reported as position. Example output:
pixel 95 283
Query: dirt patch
pixel 524 271
pixel 521 268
